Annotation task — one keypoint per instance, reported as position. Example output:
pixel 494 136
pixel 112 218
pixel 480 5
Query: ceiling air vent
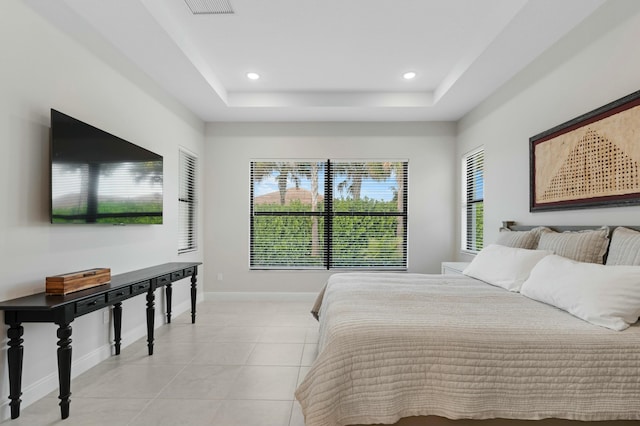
pixel 209 7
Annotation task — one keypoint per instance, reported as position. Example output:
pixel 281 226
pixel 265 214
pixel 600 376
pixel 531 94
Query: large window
pixel 328 214
pixel 473 200
pixel 187 203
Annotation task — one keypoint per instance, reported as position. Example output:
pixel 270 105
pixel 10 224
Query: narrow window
pixel 473 200
pixel 187 202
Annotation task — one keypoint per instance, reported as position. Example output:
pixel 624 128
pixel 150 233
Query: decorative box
pixel 76 281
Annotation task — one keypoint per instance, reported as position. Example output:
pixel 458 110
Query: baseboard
pixel 260 296
pixel 49 383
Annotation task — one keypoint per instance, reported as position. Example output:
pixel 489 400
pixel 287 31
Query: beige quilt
pixel 394 345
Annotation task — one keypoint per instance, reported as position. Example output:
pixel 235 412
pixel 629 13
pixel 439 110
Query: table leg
pixel 117 325
pixel 15 355
pixel 168 290
pixel 150 319
pixel 64 367
pixel 193 297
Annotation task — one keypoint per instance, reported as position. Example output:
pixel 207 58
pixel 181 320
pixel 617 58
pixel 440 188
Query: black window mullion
pixel 328 207
pixel 320 214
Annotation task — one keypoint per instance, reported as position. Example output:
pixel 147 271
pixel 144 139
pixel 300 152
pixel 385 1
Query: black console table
pixel 62 310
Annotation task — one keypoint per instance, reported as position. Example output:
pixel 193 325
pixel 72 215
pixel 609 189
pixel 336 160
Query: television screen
pixel 97 177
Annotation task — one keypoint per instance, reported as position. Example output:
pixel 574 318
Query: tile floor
pixel 238 365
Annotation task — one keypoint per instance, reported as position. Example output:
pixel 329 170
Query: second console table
pixel 62 310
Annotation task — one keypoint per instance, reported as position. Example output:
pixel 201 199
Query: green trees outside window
pixel 328 214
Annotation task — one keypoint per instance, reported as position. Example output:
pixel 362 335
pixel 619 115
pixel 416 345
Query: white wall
pixel 595 64
pixel 429 147
pixel 41 69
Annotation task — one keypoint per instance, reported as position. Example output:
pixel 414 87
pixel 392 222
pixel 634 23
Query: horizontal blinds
pixel 288 214
pixel 325 214
pixel 474 176
pixel 474 197
pixel 369 206
pixel 187 201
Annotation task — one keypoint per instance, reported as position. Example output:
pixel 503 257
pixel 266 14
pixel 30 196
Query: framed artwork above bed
pixel 590 161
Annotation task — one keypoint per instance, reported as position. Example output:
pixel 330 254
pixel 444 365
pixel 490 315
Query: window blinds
pixel 473 204
pixel 187 202
pixel 288 215
pixel 369 212
pixel 328 214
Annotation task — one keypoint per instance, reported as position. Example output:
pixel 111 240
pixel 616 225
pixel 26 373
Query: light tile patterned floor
pixel 238 365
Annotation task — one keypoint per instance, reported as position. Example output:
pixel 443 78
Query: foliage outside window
pixel 473 201
pixel 328 214
pixel 187 202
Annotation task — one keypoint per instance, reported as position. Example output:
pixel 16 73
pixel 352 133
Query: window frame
pixel 329 215
pixel 187 193
pixel 469 244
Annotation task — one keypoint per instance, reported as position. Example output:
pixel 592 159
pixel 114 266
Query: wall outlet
pixel 105 316
pixel 219 276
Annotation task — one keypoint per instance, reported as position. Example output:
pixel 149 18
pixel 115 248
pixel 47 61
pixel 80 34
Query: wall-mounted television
pixel 97 177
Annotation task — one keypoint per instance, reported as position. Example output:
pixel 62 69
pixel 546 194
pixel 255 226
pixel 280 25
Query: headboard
pixel 562 228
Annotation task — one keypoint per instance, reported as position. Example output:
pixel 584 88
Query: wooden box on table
pixel 76 281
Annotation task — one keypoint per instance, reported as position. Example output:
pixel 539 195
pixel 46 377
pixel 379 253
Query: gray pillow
pixel 625 247
pixel 582 246
pixel 520 239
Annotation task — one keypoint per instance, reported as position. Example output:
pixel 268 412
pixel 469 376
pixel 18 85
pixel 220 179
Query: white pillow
pixel 505 267
pixel 608 296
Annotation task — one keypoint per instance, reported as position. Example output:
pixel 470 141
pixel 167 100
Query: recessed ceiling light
pixel 409 75
pixel 253 75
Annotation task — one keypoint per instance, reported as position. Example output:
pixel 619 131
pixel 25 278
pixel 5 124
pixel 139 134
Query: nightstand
pixel 453 268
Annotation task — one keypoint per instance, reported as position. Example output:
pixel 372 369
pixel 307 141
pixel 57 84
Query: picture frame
pixel 590 161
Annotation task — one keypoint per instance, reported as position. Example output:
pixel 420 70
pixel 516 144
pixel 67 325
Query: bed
pixel 441 349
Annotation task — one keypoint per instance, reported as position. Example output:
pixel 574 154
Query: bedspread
pixel 394 345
